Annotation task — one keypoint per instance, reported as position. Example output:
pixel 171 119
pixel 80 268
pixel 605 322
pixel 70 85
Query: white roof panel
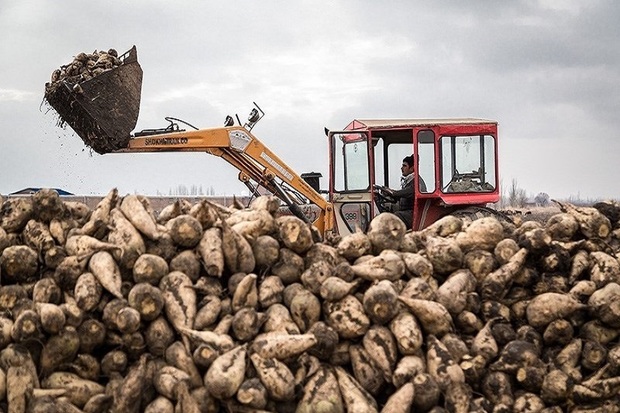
pixel 405 123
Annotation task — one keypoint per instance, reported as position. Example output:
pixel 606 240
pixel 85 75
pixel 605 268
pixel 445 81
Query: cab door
pixel 426 208
pixel 351 171
pixel 398 143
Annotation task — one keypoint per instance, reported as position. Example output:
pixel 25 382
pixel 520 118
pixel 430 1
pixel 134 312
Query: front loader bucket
pixel 103 110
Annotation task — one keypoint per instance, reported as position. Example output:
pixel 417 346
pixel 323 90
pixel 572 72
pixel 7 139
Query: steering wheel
pixel 382 199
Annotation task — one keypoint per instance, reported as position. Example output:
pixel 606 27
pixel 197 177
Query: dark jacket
pixel 405 194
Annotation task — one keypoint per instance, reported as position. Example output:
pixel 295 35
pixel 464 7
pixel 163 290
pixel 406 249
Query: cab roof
pixel 409 123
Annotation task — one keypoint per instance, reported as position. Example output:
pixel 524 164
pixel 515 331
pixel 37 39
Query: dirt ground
pixel 540 214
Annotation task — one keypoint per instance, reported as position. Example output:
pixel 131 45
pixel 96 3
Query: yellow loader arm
pixel 237 146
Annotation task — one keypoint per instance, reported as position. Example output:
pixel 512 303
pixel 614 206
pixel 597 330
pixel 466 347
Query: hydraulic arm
pixel 258 165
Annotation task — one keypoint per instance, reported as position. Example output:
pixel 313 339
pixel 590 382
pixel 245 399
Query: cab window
pixel 426 160
pixel 351 168
pixel 468 163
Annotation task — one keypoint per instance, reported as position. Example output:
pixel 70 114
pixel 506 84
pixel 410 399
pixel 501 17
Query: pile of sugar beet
pixel 205 308
pixel 84 67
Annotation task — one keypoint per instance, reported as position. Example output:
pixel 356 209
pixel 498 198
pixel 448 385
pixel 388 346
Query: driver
pixel 404 195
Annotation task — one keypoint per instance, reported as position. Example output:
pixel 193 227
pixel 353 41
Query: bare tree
pixel 193 190
pixel 180 190
pixel 517 197
pixel 542 199
pixel 521 198
pixel 513 193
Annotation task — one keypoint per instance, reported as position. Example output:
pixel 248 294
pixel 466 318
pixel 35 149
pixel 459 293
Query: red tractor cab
pixel 455 163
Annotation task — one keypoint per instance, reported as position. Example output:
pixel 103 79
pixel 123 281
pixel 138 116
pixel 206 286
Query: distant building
pixel 30 191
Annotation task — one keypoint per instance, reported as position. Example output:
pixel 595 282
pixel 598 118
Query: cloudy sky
pixel 547 70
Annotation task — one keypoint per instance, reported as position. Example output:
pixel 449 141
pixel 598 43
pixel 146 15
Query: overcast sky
pixel 547 70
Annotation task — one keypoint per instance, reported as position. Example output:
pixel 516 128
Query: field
pixel 540 214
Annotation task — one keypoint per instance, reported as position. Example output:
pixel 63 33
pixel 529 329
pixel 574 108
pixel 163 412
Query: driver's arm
pixel 403 193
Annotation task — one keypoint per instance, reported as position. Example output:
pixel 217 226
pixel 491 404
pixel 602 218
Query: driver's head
pixel 407 166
